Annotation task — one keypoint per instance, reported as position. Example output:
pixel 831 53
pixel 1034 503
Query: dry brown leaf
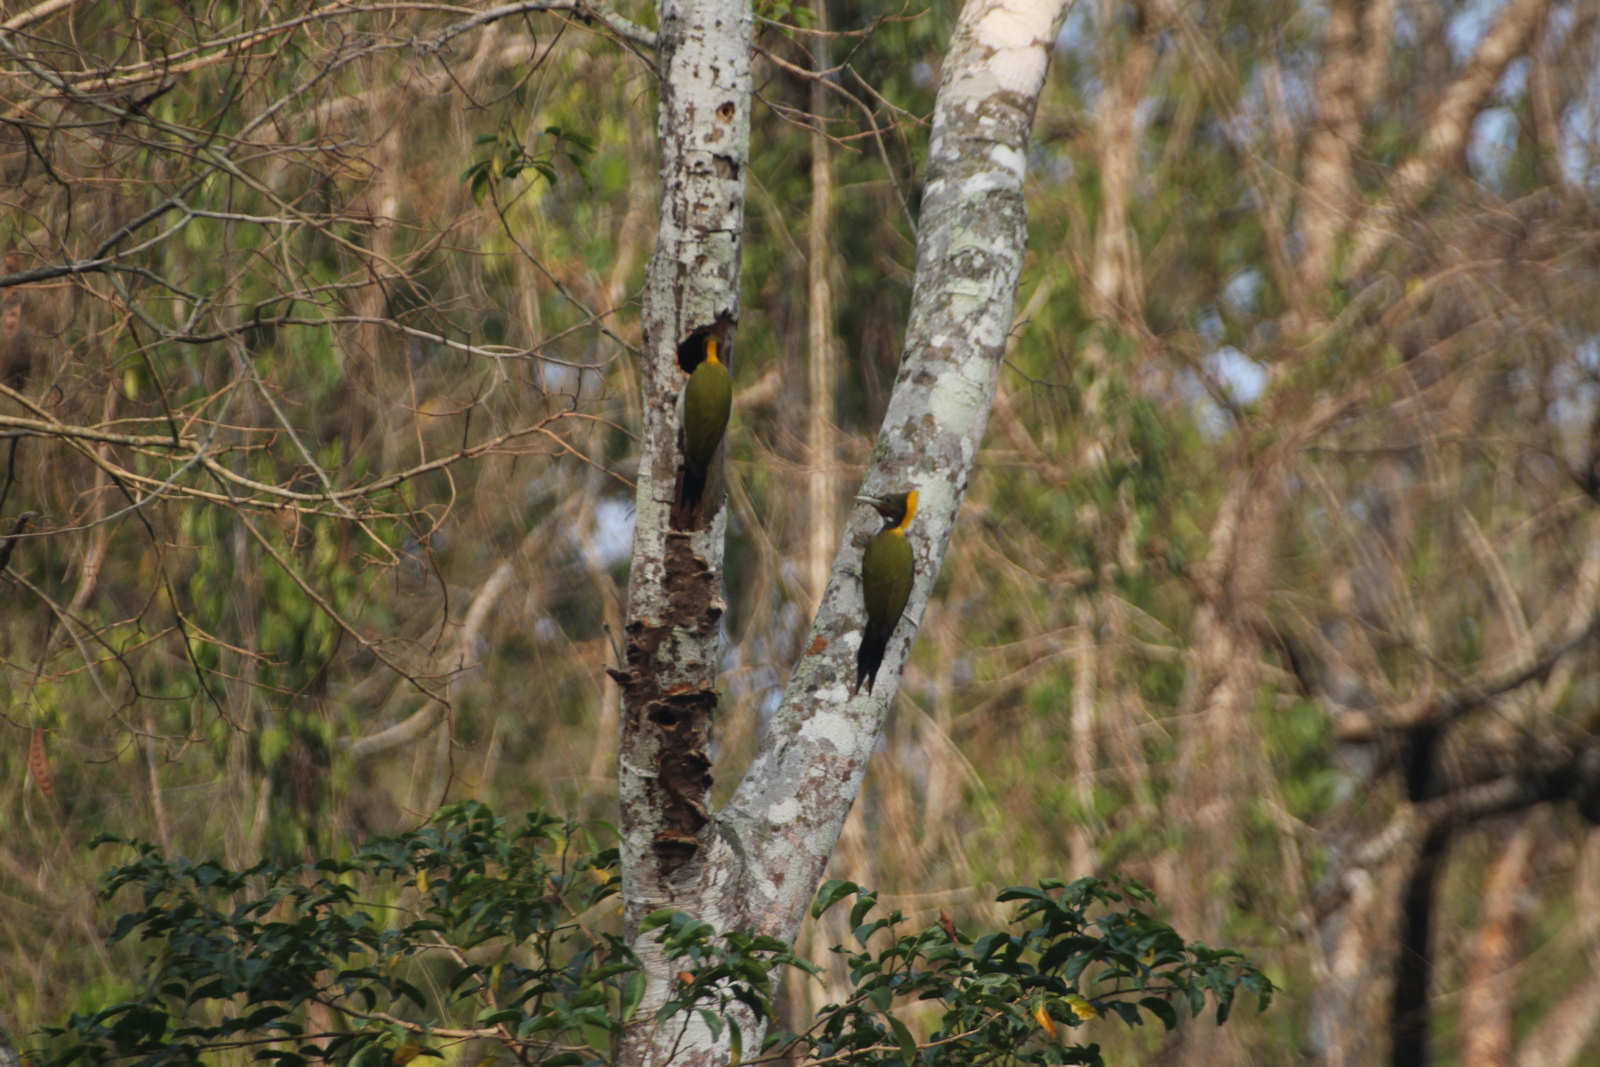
pixel 39 764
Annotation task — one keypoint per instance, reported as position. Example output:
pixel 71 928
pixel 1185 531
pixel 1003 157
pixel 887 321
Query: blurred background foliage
pixel 331 464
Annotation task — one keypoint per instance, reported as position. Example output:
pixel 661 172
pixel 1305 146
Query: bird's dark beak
pixel 884 506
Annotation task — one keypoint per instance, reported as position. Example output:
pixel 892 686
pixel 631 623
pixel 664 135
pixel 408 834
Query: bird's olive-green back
pixel 707 399
pixel 887 568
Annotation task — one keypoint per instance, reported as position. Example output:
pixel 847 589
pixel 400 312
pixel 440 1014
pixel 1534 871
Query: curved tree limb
pixel 789 809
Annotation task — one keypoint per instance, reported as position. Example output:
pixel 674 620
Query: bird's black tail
pixel 691 489
pixel 694 486
pixel 868 660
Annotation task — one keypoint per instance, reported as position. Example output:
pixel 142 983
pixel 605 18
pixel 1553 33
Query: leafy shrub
pixel 478 930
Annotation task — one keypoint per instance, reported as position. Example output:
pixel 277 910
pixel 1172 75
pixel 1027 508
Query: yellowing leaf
pixel 1081 1007
pixel 1042 1017
pixel 422 880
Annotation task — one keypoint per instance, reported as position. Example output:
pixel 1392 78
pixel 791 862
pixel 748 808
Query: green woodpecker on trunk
pixel 887 569
pixel 707 401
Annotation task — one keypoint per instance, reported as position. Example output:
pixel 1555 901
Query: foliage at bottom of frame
pixel 483 940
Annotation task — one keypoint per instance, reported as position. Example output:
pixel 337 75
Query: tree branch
pixel 788 811
pixel 1446 133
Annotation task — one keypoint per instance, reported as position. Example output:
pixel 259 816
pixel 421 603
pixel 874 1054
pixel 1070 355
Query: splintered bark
pixel 668 678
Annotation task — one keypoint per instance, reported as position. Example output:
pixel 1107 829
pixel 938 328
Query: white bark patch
pixel 968 296
pixel 1009 159
pixel 784 811
pixel 1018 62
pixel 832 728
pixel 954 401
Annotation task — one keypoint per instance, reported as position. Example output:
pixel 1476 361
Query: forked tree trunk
pixel 756 864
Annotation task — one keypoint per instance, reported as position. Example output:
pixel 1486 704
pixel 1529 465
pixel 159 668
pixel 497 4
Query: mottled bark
pixel 788 810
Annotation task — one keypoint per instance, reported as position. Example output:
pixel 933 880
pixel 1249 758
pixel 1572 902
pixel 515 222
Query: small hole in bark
pixel 663 717
pixel 692 350
pixel 726 111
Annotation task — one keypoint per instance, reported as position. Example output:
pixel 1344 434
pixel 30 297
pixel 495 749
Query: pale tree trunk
pixel 1116 282
pixel 1330 193
pixel 1219 766
pixel 675 601
pixel 756 864
pixel 1490 996
pixel 823 364
pixel 822 478
pixel 1116 296
pixel 1086 694
pixel 1568 1027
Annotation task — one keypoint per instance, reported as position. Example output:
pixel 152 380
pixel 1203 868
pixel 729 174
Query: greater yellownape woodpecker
pixel 707 400
pixel 887 569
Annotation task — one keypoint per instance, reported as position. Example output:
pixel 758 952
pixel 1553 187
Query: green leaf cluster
pixel 502 157
pixel 1073 952
pixel 471 928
